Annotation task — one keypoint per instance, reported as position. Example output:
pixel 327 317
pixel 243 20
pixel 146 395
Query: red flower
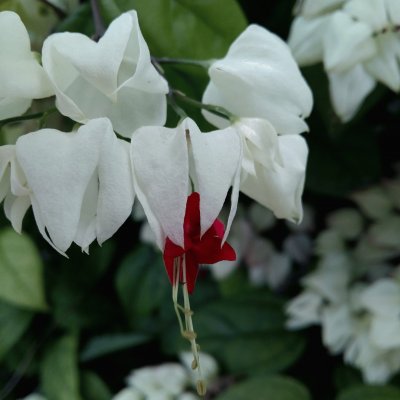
pixel 198 250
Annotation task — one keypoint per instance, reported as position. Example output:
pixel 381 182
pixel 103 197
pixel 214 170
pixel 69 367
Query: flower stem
pixel 26 117
pixel 217 110
pixel 97 19
pixel 183 61
pixel 201 385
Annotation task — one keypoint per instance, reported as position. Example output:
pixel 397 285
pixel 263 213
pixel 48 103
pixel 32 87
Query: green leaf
pixel 370 393
pixel 267 388
pixel 251 322
pixel 59 370
pixel 184 28
pixel 21 271
pixel 13 324
pixel 346 377
pixel 80 20
pixel 141 282
pixel 103 345
pixel 76 289
pixel 93 388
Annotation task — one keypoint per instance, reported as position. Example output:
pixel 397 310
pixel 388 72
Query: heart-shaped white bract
pixel 166 160
pixel 274 167
pixel 113 78
pixel 21 76
pixel 13 189
pixel 259 78
pixel 80 182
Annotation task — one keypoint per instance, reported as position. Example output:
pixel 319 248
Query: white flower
pixel 13 188
pixel 359 45
pixel 258 78
pixel 163 159
pixel 273 167
pixel 161 382
pixel 21 76
pixel 259 81
pixel 113 78
pixel 80 183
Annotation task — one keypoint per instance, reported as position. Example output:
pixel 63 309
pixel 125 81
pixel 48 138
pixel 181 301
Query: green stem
pixel 201 385
pixel 183 61
pixel 22 118
pixel 217 110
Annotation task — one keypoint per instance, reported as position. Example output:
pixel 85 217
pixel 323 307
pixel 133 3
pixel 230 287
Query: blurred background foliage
pixel 74 328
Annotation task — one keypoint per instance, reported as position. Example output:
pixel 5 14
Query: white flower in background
pixel 212 161
pixel 165 381
pixel 21 76
pixel 259 82
pixel 113 78
pixel 359 46
pixel 169 381
pixel 80 183
pixel 354 294
pixel 13 188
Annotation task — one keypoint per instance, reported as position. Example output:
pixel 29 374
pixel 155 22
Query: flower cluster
pixel 358 43
pixel 354 293
pixel 82 184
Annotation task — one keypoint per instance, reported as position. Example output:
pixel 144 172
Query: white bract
pixel 80 183
pixel 13 188
pixel 21 76
pixel 273 167
pixel 359 45
pixel 113 78
pixel 258 78
pixel 165 160
pixel 259 81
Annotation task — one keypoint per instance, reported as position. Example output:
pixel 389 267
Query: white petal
pixel 281 189
pixel 372 12
pixel 382 298
pixel 346 43
pixel 13 107
pixel 312 8
pixel 58 167
pixel 161 174
pixel 259 78
pixel 384 67
pixel 113 78
pixel 18 209
pixel 305 39
pixel 393 10
pixel 385 332
pixel 116 192
pixel 348 90
pixel 21 76
pixel 304 310
pixel 217 160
